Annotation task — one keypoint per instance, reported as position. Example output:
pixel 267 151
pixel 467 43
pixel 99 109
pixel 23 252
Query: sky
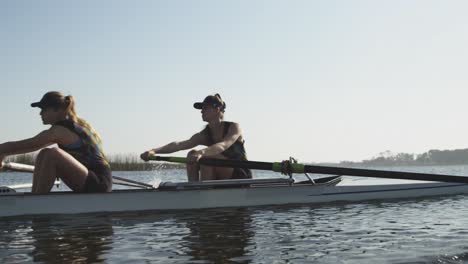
pixel 321 81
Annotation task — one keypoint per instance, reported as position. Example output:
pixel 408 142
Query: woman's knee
pixel 42 154
pixel 49 154
pixel 56 153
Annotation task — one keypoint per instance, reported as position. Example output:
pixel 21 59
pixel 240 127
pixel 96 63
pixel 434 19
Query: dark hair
pixel 212 100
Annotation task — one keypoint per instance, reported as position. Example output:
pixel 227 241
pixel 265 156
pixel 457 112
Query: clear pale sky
pixel 317 80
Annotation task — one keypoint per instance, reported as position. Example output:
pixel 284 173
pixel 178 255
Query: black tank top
pixel 86 149
pixel 236 151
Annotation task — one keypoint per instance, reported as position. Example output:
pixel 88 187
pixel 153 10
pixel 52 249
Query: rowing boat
pixel 232 193
pixel 215 194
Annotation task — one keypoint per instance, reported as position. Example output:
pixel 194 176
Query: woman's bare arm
pixel 41 140
pixel 175 146
pixel 195 140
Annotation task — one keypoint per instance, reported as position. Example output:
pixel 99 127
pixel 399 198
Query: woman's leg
pixel 192 172
pixel 208 173
pixel 223 173
pixel 37 164
pixel 58 163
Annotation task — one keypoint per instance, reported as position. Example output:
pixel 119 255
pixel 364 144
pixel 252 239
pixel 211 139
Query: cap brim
pixel 36 104
pixel 198 105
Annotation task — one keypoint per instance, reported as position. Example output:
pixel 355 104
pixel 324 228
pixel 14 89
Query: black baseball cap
pixel 50 99
pixel 213 100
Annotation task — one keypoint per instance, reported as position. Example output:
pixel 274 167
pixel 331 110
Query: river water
pixel 431 230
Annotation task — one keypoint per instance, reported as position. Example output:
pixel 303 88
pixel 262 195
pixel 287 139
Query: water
pixel 432 230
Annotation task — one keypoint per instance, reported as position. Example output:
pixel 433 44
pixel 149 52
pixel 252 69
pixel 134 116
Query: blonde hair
pixel 73 116
pixel 68 104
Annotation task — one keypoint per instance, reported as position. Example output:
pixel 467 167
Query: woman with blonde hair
pixel 223 140
pixel 79 160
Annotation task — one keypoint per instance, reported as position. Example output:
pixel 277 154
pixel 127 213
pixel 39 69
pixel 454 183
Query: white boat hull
pixel 16 204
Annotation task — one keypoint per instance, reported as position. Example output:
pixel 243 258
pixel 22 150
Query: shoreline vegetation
pixel 430 158
pixel 132 162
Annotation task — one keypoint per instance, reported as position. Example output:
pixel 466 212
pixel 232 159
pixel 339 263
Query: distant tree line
pixel 431 157
pixel 120 162
pixel 22 158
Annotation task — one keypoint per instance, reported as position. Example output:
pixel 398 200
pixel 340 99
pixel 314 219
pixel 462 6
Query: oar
pixel 13 166
pixel 301 168
pixel 117 180
pixel 127 182
pixel 27 185
pixel 18 167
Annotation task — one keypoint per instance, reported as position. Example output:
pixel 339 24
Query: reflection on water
pixel 220 237
pixel 57 240
pixel 207 236
pixel 204 236
pixel 70 240
pixel 405 231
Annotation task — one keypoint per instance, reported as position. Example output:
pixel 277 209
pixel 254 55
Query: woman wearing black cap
pixel 79 160
pixel 223 140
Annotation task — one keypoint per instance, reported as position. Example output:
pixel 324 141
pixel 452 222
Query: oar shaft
pixel 29 168
pixel 255 165
pixel 28 185
pixel 385 174
pixel 137 183
pixel 301 168
pixel 18 167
